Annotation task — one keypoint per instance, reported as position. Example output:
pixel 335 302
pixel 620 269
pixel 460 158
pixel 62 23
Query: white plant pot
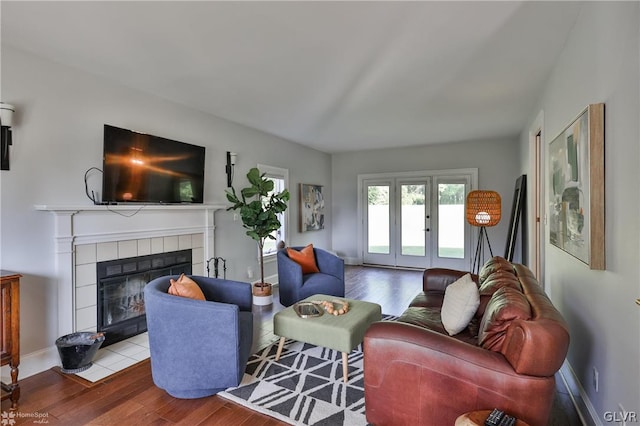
pixel 263 300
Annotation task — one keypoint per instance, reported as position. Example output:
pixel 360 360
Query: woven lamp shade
pixel 483 208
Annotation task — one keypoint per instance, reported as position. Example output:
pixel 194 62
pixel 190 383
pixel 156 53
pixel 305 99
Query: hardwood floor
pixel 131 398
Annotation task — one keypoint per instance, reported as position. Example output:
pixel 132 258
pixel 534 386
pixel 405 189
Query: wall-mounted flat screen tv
pixel 141 168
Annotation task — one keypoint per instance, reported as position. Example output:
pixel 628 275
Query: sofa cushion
pixel 305 258
pixel 498 280
pixel 423 317
pixel 461 300
pixel 492 265
pixel 492 283
pixel 429 318
pixel 427 299
pixel 506 305
pixel 185 287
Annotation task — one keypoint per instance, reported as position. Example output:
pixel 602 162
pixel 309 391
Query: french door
pixel 398 222
pixel 416 219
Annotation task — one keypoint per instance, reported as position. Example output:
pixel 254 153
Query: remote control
pixel 507 421
pixel 494 418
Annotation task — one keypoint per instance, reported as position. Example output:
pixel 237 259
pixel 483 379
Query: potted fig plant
pixel 259 208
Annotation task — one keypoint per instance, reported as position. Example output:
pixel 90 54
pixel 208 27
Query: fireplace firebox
pixel 121 312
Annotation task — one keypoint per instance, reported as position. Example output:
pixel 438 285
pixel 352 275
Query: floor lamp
pixel 483 209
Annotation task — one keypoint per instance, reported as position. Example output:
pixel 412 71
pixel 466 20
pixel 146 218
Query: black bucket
pixel 78 349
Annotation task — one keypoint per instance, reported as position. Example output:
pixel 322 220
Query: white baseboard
pixel 582 403
pixel 352 261
pixel 33 363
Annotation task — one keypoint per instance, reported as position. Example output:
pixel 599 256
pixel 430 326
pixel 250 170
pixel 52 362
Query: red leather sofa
pixel 416 374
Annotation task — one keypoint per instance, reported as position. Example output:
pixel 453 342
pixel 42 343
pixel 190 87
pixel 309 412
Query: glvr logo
pixel 621 416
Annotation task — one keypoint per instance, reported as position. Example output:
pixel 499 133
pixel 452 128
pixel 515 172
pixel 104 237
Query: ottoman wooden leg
pixel 280 346
pixel 345 370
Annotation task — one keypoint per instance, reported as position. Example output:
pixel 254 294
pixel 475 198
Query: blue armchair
pixel 199 348
pixel 293 286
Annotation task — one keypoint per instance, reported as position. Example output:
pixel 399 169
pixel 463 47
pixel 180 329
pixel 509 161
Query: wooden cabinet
pixel 10 332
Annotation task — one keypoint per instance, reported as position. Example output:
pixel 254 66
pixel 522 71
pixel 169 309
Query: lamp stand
pixel 482 236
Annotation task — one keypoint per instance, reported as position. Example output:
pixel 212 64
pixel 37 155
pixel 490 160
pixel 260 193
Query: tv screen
pixel 141 168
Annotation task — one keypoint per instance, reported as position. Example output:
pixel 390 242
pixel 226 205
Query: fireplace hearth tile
pixel 126 348
pixel 107 358
pixel 121 365
pixel 142 355
pixel 108 361
pixel 140 339
pixel 95 373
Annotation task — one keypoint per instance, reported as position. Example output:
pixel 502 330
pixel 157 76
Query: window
pixel 451 219
pixel 280 178
pixel 378 219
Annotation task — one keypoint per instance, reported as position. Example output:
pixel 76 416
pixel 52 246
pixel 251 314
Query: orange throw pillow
pixel 186 287
pixel 304 258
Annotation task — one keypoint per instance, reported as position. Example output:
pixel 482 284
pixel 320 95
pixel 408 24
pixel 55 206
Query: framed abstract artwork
pixel 311 207
pixel 576 197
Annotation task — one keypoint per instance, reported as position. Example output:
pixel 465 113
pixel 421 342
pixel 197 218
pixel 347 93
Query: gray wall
pixel 496 160
pixel 58 136
pixel 600 63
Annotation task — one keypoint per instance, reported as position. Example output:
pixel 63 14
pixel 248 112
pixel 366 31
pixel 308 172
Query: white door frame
pixel 433 174
pixel 537 224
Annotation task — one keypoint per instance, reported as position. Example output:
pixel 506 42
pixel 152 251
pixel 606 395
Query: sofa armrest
pixel 437 279
pixel 536 348
pixel 414 375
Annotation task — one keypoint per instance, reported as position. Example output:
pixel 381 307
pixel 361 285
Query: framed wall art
pixel 311 207
pixel 576 197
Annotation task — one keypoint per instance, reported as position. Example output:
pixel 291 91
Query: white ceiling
pixel 336 76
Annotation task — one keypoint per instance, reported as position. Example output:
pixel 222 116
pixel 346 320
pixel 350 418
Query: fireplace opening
pixel 121 312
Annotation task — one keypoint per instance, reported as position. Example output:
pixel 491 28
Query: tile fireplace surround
pixel 85 235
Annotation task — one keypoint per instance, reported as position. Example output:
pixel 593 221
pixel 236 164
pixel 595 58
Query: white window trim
pixel 271 171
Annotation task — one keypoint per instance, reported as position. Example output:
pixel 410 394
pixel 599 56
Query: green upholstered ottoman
pixel 341 333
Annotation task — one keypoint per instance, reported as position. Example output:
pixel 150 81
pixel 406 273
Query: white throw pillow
pixel 461 301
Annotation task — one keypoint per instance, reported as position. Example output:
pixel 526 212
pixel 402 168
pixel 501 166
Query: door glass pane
pixel 378 219
pixel 451 220
pixel 412 220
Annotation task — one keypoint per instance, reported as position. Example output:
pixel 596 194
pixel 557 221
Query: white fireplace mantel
pixel 85 224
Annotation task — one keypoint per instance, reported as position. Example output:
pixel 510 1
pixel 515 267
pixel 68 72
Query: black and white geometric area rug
pixel 305 386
